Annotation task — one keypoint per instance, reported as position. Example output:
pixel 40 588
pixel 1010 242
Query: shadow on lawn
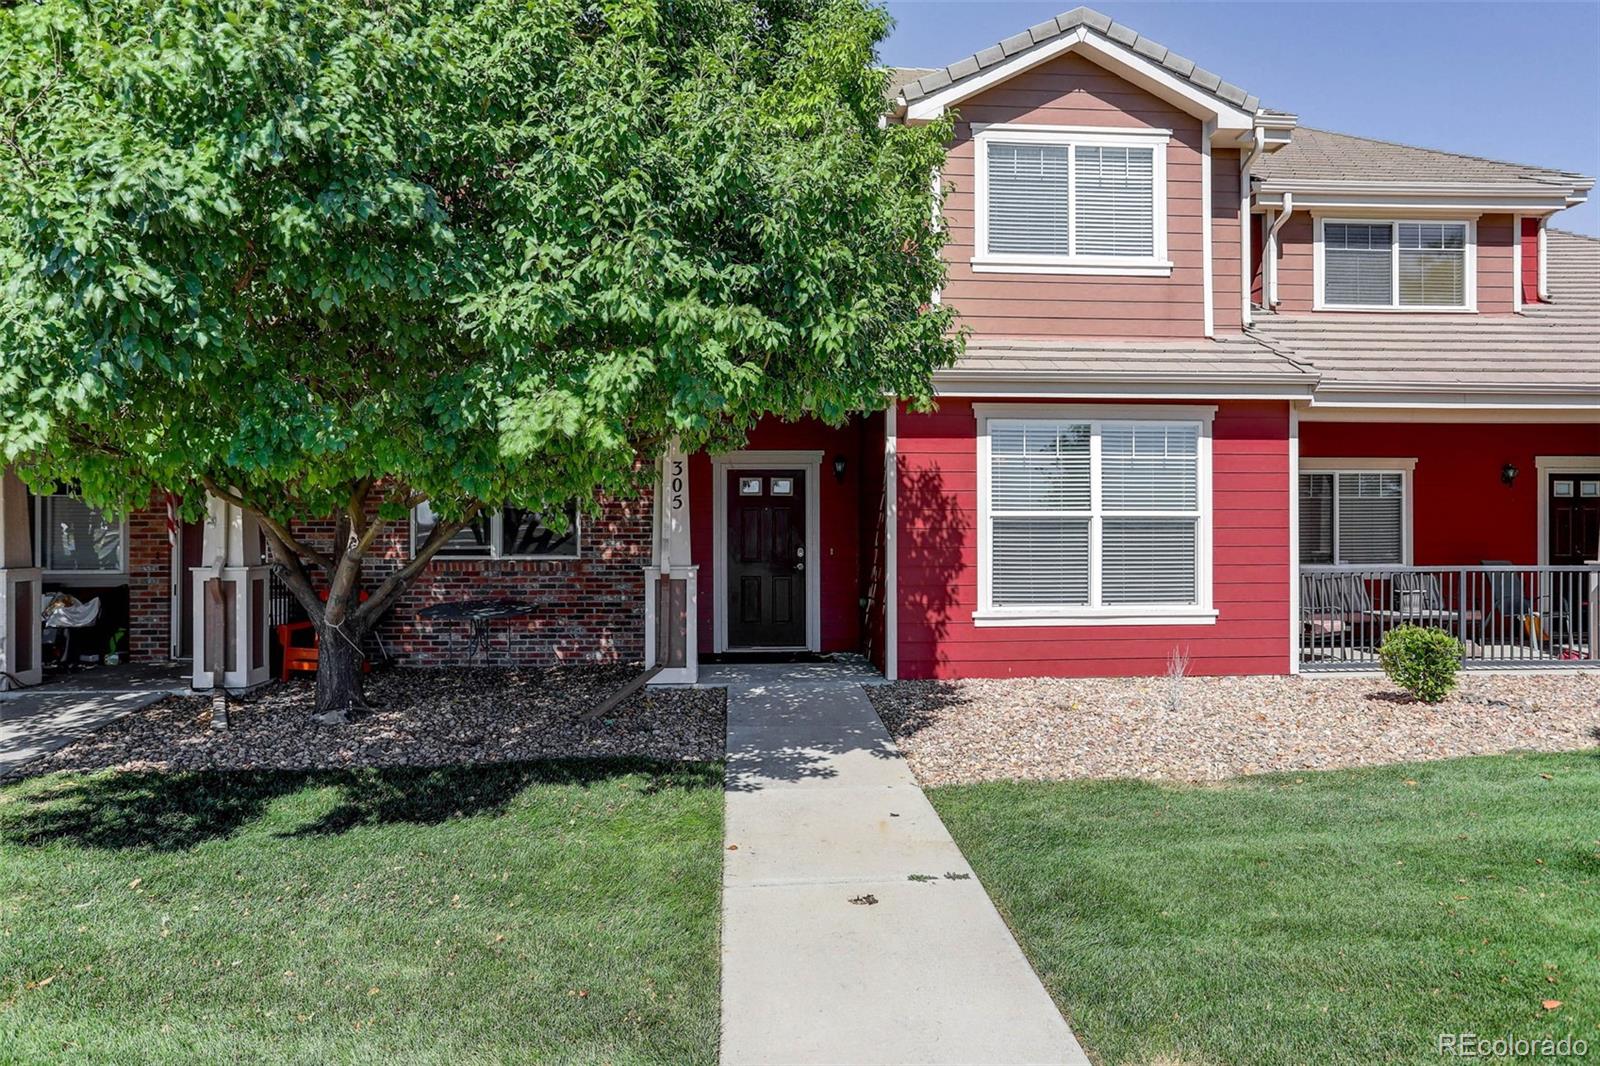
pixel 172 812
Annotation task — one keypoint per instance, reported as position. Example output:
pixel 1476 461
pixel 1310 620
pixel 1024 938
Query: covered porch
pixel 1486 526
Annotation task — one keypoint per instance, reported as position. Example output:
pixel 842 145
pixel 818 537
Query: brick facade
pixel 149 584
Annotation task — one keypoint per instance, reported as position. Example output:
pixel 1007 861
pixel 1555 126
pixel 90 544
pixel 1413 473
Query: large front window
pixel 75 538
pixel 1071 202
pixel 1423 265
pixel 509 533
pixel 1354 515
pixel 1092 517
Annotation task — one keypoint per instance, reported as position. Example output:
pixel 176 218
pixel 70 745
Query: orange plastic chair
pixel 302 657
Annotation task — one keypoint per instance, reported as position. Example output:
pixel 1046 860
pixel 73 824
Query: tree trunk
pixel 339 659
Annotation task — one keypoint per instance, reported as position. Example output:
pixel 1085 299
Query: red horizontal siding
pixel 1530 260
pixel 1462 513
pixel 938 558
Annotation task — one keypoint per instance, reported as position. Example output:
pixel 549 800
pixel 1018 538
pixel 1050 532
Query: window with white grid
pixel 1058 200
pixel 1354 517
pixel 1396 265
pixel 1087 516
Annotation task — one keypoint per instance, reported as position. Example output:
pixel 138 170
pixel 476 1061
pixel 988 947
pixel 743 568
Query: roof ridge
pixel 1444 151
pixel 1570 233
pixel 1104 26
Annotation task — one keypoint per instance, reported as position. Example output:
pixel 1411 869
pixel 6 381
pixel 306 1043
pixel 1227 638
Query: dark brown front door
pixel 1574 518
pixel 766 559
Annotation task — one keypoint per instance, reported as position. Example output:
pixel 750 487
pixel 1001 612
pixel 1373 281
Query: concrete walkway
pixel 822 810
pixel 37 720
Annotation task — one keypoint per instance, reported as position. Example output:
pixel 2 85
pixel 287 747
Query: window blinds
pixel 1027 211
pixel 1433 264
pixel 1115 188
pixel 1316 518
pixel 1370 518
pixel 1358 265
pixel 1050 530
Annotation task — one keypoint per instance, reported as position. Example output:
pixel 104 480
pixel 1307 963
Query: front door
pixel 766 558
pixel 1574 518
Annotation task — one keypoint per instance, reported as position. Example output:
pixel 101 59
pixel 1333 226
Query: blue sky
pixel 1508 81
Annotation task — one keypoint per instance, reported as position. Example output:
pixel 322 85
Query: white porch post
pixel 671 601
pixel 20 585
pixel 230 602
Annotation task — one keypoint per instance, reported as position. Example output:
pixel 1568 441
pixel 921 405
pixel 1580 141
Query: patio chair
pixel 298 641
pixel 1332 604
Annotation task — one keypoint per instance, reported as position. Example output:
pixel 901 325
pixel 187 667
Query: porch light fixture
pixel 838 467
pixel 1508 473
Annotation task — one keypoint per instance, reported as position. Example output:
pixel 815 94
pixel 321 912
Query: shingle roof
pixel 1322 155
pixel 1233 361
pixel 1093 20
pixel 1549 348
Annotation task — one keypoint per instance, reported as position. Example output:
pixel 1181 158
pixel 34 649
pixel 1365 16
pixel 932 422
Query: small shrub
pixel 1422 660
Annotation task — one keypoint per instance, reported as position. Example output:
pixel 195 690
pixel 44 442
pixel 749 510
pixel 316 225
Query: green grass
pixel 541 912
pixel 1347 916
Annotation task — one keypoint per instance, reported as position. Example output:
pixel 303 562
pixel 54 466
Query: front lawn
pixel 1348 916
pixel 550 912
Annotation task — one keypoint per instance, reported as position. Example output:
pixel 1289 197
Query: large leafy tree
pixel 328 258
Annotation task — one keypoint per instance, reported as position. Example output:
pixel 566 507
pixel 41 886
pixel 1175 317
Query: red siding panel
pixel 938 554
pixel 1530 260
pixel 1462 513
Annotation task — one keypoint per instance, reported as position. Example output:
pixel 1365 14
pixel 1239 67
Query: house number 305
pixel 677 484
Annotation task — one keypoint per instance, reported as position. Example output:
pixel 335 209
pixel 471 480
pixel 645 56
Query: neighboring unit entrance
pixel 1574 518
pixel 767 558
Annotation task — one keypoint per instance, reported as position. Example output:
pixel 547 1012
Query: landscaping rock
pixel 435 717
pixel 1041 729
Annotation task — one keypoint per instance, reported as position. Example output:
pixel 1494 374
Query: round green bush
pixel 1422 660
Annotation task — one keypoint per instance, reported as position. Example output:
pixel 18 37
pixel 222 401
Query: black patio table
pixel 477 614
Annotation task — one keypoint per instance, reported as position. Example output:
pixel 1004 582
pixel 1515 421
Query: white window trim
pixel 497 538
pixel 1470 290
pixel 983 261
pixel 86 578
pixel 1405 467
pixel 1200 613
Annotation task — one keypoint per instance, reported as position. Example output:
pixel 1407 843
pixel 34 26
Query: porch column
pixel 20 585
pixel 230 602
pixel 671 602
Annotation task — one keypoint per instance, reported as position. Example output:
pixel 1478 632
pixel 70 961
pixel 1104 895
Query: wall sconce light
pixel 1508 474
pixel 838 467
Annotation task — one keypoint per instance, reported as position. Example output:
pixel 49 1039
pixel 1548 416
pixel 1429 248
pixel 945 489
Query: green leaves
pixel 485 250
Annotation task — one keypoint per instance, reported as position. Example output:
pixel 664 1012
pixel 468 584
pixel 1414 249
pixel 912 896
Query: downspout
pixel 1258 142
pixel 1269 248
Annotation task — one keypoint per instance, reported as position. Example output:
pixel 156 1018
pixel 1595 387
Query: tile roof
pixel 1157 53
pixel 1322 155
pixel 1231 361
pixel 1549 348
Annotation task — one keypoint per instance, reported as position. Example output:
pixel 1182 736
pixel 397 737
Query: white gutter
pixel 1258 143
pixel 1269 250
pixel 1208 130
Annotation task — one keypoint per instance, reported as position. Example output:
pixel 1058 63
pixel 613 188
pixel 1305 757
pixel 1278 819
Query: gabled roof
pixel 1086 18
pixel 1548 350
pixel 1321 156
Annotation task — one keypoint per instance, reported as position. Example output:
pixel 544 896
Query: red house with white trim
pixel 1236 390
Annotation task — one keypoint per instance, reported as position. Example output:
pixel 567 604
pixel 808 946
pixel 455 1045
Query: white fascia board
pixel 1334 412
pixel 1042 386
pixel 1124 62
pixel 1573 401
pixel 1429 198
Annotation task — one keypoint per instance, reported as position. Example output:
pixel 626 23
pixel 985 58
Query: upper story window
pixel 74 538
pixel 1382 265
pixel 510 533
pixel 1055 200
pixel 1093 515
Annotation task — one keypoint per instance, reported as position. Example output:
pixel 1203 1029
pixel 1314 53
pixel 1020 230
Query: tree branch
pixel 288 566
pixel 395 583
pixel 273 526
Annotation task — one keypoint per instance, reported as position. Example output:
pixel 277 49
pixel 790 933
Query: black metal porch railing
pixel 1504 616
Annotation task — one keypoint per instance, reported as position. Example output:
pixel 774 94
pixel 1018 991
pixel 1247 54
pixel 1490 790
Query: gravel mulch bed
pixel 1040 729
pixel 418 718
